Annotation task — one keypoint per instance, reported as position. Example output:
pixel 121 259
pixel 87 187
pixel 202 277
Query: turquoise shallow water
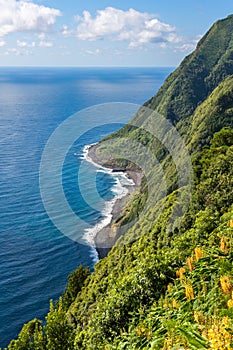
pixel 35 258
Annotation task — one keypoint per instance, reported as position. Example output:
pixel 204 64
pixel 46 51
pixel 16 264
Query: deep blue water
pixel 35 257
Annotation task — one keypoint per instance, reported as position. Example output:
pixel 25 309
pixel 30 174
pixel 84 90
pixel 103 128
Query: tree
pixel 31 337
pixel 223 138
pixel 75 283
pixel 60 334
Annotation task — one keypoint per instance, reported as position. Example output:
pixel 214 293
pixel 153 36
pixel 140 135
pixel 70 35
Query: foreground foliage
pixel 153 296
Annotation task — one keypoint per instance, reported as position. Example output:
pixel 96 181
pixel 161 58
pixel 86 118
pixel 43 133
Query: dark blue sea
pixel 35 257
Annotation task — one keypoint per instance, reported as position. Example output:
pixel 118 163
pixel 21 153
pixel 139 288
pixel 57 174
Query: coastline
pixel 105 237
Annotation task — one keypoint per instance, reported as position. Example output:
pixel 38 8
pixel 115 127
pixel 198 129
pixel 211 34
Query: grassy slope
pixel 134 276
pixel 212 115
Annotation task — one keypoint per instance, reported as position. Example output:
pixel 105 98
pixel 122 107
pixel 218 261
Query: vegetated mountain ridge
pixel 198 74
pixel 167 289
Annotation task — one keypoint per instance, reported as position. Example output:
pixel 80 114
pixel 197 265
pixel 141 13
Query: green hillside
pixel 198 74
pixel 168 287
pixel 213 114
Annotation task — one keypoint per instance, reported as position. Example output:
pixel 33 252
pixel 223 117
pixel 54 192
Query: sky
pixel 104 33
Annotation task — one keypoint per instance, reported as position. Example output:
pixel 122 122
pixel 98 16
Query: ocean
pixel 35 256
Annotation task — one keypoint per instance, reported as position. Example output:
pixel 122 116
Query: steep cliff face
pixel 189 86
pixel 198 75
pixel 211 116
pixel 167 289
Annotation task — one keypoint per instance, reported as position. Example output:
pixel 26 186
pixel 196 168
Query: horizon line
pixel 69 66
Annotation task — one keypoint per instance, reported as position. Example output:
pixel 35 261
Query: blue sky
pixel 104 33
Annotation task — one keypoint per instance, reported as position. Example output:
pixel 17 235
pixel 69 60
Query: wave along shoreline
pixel 119 189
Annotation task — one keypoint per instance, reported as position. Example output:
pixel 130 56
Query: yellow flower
pixel 189 293
pixel 230 303
pixel 175 304
pixel 198 253
pixel 196 316
pixel 223 245
pixel 231 223
pixel 225 284
pixel 141 331
pixel 218 335
pixel 180 273
pixel 190 263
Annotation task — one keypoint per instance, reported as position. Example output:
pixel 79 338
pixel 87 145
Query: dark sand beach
pixel 105 238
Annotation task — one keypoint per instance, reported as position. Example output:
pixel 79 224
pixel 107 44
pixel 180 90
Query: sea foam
pixel 119 190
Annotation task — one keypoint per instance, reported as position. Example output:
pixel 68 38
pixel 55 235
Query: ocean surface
pixel 35 257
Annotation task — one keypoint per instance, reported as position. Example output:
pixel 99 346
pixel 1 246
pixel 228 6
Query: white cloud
pixel 42 43
pixel 93 52
pixel 135 27
pixel 2 43
pixel 66 31
pixel 25 44
pixel 41 36
pixel 45 44
pixel 188 45
pixel 25 16
pixel 17 52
